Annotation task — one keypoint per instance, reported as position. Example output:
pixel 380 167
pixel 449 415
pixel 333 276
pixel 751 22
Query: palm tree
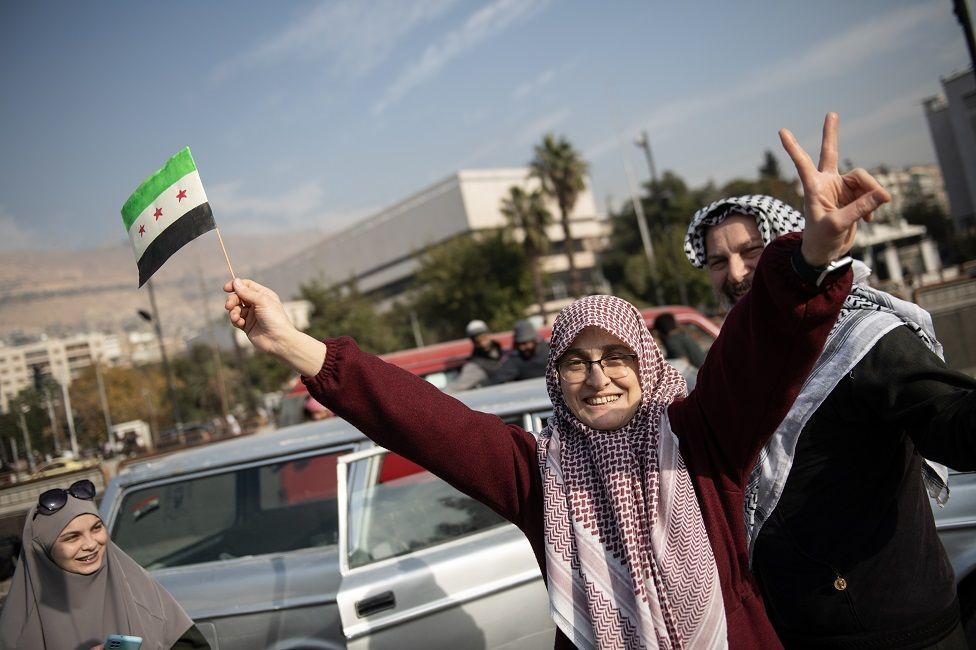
pixel 562 173
pixel 526 212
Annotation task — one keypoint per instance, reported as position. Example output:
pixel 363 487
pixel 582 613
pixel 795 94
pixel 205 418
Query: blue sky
pixel 311 114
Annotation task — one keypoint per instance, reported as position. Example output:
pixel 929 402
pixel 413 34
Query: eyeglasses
pixel 614 365
pixel 51 501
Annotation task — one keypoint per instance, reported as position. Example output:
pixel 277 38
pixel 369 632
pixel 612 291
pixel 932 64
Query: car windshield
pixel 271 508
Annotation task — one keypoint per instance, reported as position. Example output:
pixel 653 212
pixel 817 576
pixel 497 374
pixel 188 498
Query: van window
pixel 409 509
pixel 271 508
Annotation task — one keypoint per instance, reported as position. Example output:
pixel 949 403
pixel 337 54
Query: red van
pixel 441 362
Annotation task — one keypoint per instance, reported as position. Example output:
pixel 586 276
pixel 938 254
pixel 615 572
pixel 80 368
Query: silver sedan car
pixel 265 547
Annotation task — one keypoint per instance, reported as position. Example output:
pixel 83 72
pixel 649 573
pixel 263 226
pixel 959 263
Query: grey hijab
pixel 53 609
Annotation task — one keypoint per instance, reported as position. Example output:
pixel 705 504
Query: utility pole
pixel 642 224
pixel 54 422
pixel 212 335
pixel 69 416
pixel 103 398
pixel 27 445
pixel 154 318
pixel 643 142
pixel 418 338
pixel 962 15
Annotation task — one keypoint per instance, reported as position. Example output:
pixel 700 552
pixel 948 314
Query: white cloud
pixel 483 24
pixel 832 57
pixel 526 88
pixel 540 126
pixel 14 237
pixel 294 207
pixel 350 37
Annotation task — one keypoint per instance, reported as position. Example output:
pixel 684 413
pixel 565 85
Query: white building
pixel 901 255
pixel 142 347
pixel 61 359
pixel 381 253
pixel 952 125
pixel 909 184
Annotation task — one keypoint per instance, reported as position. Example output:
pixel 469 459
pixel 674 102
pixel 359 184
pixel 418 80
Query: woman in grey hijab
pixel 73 587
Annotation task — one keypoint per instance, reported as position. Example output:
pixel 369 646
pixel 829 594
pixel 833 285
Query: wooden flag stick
pixel 226 256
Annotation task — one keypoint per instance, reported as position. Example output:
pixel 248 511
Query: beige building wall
pixel 381 253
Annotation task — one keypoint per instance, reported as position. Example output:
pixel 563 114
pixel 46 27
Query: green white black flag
pixel 167 211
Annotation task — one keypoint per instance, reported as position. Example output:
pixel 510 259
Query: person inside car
pixel 73 587
pixel 632 496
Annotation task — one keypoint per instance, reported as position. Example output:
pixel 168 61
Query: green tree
pixel 527 216
pixel 341 310
pixel 770 166
pixel 770 183
pixel 624 262
pixel 132 394
pixel 481 275
pixel 562 172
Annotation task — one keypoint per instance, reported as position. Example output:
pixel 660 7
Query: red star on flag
pixel 142 230
pixel 181 195
pixel 158 213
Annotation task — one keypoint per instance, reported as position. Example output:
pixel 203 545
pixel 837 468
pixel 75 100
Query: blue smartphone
pixel 123 642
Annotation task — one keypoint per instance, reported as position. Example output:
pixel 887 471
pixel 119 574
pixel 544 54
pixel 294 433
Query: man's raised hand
pixel 833 203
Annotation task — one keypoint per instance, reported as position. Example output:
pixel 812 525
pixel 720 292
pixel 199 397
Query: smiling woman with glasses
pixel 73 587
pixel 631 497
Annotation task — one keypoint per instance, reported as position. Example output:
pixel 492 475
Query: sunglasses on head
pixel 51 501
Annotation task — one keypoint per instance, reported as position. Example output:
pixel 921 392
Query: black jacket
pixel 850 557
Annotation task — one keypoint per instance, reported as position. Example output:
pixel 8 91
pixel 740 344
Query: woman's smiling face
pixel 80 548
pixel 598 401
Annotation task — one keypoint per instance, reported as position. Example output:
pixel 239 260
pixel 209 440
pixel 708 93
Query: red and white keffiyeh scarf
pixel 628 559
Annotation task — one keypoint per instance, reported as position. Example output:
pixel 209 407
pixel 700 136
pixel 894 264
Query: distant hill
pixel 60 292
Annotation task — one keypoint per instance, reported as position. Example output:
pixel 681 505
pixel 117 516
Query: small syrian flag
pixel 167 211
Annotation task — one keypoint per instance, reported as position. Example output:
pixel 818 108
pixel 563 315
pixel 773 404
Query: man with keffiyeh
pixel 840 533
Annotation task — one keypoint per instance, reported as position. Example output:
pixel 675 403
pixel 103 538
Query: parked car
pixel 440 363
pixel 60 466
pixel 266 548
pixel 189 434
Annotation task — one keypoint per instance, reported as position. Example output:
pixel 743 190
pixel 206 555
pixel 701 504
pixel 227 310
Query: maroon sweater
pixel 750 378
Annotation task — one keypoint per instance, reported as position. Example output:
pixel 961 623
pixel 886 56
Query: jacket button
pixel 840 584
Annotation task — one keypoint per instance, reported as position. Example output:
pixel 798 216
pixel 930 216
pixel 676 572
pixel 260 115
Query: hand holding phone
pixel 123 642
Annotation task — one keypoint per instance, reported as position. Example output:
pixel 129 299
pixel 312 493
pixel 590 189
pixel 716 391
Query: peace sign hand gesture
pixel 833 203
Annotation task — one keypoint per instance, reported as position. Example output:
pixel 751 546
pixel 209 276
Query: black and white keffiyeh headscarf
pixel 867 315
pixel 773 217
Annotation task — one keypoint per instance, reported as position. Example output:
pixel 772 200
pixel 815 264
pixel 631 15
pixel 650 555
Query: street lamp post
pixel 69 415
pixel 154 319
pixel 643 142
pixel 24 409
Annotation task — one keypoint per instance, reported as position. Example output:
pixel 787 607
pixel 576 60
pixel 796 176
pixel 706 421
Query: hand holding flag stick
pixel 258 312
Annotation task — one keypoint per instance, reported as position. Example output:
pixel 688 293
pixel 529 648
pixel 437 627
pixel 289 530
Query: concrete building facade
pixel 909 184
pixel 382 253
pixel 60 359
pixel 952 126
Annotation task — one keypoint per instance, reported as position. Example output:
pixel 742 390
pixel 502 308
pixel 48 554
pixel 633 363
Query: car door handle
pixel 374 604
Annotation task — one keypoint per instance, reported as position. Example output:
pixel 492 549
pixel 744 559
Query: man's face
pixel 483 341
pixel 732 250
pixel 526 349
